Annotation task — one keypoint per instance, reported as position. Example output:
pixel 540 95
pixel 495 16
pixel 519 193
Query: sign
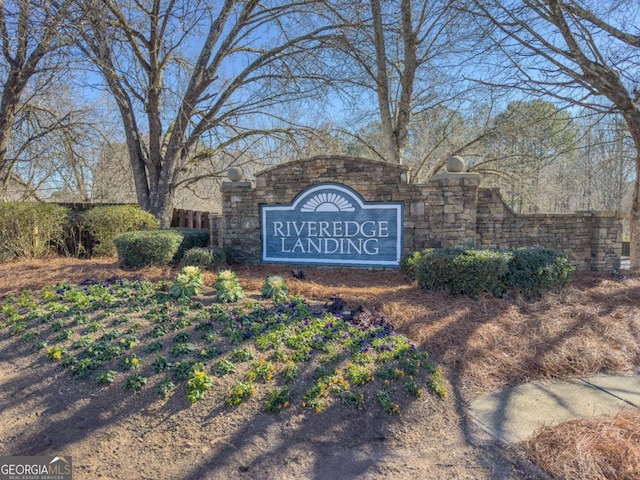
pixel 330 224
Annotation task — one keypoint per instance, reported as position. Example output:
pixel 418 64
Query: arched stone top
pixel 374 180
pixel 335 163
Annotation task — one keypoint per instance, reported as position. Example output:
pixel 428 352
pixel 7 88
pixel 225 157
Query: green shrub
pixel 473 272
pixel 30 229
pixel 191 238
pixel 408 264
pixel 470 272
pixel 147 247
pixel 198 257
pixel 219 258
pixel 103 224
pixel 76 241
pixel 537 269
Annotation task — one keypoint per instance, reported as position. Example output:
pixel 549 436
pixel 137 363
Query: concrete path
pixel 512 415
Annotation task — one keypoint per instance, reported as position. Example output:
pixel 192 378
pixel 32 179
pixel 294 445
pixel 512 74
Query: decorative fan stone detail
pixel 327 202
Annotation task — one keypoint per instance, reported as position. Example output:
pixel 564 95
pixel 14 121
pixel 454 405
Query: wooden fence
pixel 191 219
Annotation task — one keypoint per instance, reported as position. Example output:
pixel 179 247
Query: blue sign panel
pixel 330 224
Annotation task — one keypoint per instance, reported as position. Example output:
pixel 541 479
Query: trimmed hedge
pixel 197 257
pixel 30 229
pixel 210 258
pixel 469 272
pixel 105 223
pixel 534 270
pixel 191 238
pixel 474 272
pixel 148 247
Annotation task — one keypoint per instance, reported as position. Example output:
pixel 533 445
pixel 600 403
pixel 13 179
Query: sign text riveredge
pixel 330 224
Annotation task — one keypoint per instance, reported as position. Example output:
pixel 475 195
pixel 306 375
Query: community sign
pixel 330 224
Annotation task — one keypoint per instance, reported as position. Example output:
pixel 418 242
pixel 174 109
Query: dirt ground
pixel 113 434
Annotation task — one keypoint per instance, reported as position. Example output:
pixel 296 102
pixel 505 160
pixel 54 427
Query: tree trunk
pixel 5 134
pixel 631 116
pixel 382 85
pixel 162 207
pixel 8 108
pixel 634 220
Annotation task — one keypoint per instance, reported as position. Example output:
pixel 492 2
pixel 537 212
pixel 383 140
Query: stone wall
pixel 449 211
pixel 592 240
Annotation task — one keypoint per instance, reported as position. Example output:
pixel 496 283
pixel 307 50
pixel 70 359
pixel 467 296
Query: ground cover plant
pixel 482 344
pixel 156 335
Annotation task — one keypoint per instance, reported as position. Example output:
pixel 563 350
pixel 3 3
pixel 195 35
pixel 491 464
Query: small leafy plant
pixel 242 355
pixel 275 288
pixel 184 369
pixel 240 392
pixel 165 387
pixel 94 327
pixel 223 367
pixel 198 383
pixel 278 399
pixel 30 335
pixel 261 371
pixel 131 362
pixel 389 406
pixel 187 283
pixel 209 352
pixel 106 378
pixel 290 371
pixel 135 383
pixel 153 347
pixel 359 375
pixel 182 349
pixel 228 289
pixel 160 364
pixel 56 352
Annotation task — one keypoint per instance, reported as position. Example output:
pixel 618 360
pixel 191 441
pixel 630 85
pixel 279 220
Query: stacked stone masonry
pixel 451 210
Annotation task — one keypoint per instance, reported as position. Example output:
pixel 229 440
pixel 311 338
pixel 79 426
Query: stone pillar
pixel 459 208
pixel 606 240
pixel 240 221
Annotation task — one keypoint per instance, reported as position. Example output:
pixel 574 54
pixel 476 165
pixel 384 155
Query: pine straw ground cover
pixel 597 448
pixel 483 344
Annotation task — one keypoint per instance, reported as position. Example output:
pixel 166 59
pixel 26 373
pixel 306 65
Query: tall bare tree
pixel 250 57
pixel 32 52
pixel 581 51
pixel 399 54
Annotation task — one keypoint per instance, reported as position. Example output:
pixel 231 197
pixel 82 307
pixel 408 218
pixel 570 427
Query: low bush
pixel 219 258
pixel 30 229
pixel 191 238
pixel 470 272
pixel 537 269
pixel 198 257
pixel 408 263
pixel 209 258
pixel 104 224
pixel 473 272
pixel 148 247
